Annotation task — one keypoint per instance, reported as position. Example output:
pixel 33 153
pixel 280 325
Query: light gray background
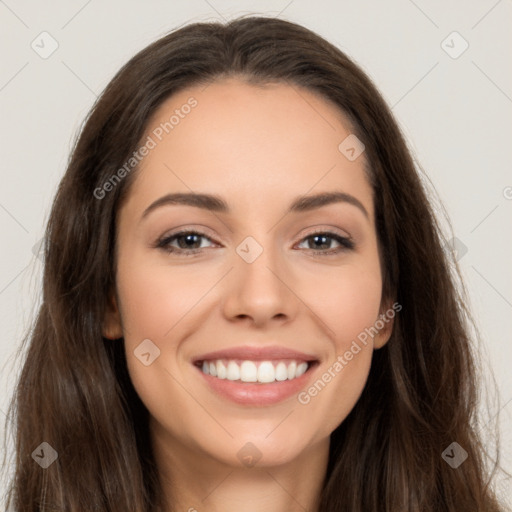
pixel 455 112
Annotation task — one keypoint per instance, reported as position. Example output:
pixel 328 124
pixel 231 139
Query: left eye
pixel 320 238
pixel 188 240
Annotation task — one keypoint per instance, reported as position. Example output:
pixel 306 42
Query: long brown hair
pixel 74 391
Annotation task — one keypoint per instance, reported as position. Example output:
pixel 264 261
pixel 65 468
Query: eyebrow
pixel 217 204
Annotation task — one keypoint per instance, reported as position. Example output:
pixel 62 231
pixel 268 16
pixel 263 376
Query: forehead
pixel 240 140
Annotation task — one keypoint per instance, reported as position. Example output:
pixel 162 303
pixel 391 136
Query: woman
pixel 263 370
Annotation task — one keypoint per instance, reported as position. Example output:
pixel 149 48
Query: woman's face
pixel 254 297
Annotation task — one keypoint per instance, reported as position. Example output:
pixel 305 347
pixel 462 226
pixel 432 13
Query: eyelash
pixel 164 243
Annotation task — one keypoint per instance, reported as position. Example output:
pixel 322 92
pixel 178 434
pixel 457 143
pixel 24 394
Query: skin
pixel 259 148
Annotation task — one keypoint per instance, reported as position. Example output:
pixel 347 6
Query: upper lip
pixel 258 353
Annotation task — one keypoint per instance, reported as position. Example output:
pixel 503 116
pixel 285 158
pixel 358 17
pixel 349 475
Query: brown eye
pixel 321 239
pixel 187 242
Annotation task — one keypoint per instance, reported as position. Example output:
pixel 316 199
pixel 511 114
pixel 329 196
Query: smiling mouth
pixel 263 372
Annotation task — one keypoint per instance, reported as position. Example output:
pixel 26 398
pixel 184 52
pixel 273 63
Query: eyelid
pixel 189 228
pixel 345 241
pixel 321 229
pixel 161 242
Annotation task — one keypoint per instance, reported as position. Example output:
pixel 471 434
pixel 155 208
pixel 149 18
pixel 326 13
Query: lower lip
pixel 255 394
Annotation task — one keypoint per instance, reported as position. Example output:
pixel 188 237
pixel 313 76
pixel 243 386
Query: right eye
pixel 187 237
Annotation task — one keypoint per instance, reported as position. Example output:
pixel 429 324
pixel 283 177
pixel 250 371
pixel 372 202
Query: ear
pixel 111 327
pixel 385 323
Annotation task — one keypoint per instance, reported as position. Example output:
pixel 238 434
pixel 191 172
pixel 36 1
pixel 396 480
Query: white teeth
pixel 301 368
pixel 221 370
pixel 266 372
pixel 292 367
pixel 281 372
pixel 254 371
pixel 233 372
pixel 248 372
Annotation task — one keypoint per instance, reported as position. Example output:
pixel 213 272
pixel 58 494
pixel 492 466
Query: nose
pixel 261 291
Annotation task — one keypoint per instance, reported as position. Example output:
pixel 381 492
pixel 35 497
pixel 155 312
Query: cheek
pixel 349 307
pixel 154 301
pixel 336 390
pixel 159 303
pixel 347 299
pixel 155 298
